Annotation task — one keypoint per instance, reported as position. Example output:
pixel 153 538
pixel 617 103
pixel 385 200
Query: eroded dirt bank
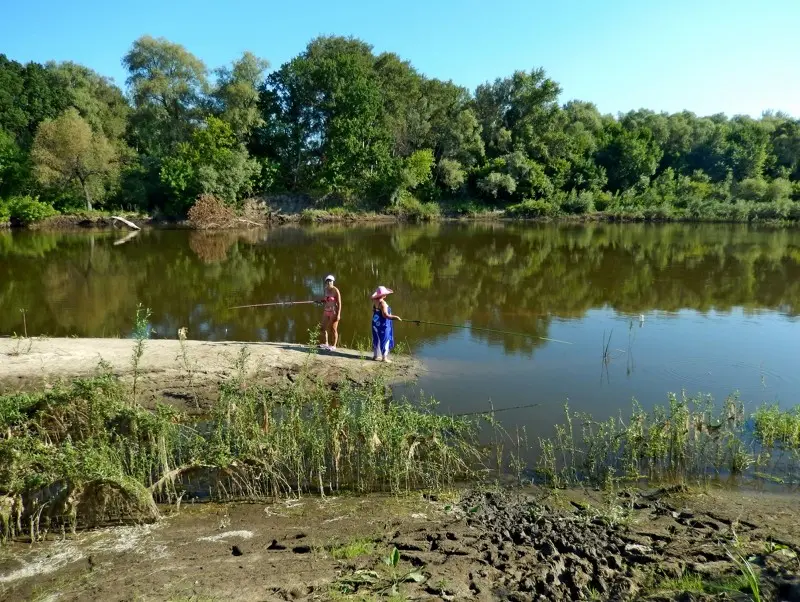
pixel 176 374
pixel 530 545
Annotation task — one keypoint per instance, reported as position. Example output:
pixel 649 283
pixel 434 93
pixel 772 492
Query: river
pixel 700 308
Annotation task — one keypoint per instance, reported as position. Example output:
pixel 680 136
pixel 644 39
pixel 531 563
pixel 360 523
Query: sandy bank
pixel 169 372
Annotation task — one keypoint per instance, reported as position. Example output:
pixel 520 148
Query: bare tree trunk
pixel 86 194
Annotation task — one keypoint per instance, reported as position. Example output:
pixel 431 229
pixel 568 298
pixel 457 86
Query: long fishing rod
pixel 469 327
pixel 495 411
pixel 274 304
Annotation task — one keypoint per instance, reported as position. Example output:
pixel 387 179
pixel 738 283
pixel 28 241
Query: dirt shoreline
pixel 69 223
pixel 521 545
pixel 168 375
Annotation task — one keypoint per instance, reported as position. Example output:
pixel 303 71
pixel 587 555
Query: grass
pixel 697 584
pixel 353 549
pixel 689 438
pixel 256 443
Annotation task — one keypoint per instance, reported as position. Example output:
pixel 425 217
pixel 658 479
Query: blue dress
pixel 382 333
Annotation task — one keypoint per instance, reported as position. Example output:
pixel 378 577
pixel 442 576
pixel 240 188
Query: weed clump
pixel 690 438
pixel 81 455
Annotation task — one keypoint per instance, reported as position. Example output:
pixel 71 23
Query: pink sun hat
pixel 381 291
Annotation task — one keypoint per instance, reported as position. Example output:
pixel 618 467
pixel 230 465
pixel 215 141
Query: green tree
pixel 10 163
pixel 630 158
pixel 96 98
pixel 516 112
pixel 327 120
pixel 404 103
pixel 67 152
pixel 237 94
pixel 168 86
pixel 214 162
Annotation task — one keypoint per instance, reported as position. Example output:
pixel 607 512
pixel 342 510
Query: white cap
pixel 330 277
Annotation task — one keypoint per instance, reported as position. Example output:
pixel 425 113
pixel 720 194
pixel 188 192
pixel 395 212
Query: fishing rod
pixel 274 304
pixel 469 327
pixel 495 411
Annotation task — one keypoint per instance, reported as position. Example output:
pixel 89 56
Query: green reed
pixel 686 438
pixel 307 438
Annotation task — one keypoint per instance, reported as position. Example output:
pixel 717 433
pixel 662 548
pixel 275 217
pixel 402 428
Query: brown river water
pixel 695 308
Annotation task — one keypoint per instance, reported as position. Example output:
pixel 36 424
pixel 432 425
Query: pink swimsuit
pixel 329 311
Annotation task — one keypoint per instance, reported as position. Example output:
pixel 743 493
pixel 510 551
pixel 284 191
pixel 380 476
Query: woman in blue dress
pixel 382 332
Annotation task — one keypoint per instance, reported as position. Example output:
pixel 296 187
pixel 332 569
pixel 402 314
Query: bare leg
pixel 335 332
pixel 324 334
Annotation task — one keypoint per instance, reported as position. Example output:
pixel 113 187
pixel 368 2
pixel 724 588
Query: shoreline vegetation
pixel 95 220
pixel 341 133
pixel 394 499
pixel 86 450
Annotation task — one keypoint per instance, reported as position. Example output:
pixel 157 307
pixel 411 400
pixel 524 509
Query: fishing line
pixel 274 304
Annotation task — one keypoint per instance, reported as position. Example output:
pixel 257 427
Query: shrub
pixel 778 190
pixel 794 212
pixel 752 189
pixel 411 208
pixel 776 210
pixel 658 213
pixel 210 212
pixel 741 211
pixel 497 185
pixel 451 174
pixel 532 208
pixel 602 200
pixel 578 203
pixel 25 210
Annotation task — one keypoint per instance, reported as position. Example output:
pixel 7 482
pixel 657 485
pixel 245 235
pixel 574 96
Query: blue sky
pixel 708 56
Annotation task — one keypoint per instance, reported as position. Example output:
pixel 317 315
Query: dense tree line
pixel 349 128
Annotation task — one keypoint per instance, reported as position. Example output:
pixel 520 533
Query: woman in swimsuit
pixel 382 331
pixel 331 314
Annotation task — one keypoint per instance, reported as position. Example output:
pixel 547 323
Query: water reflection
pixel 719 301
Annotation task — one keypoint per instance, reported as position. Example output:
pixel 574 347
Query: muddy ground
pixel 522 545
pixel 188 381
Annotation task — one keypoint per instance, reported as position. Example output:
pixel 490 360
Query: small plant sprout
pixel 140 335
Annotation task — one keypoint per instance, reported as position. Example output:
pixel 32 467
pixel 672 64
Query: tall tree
pixel 98 100
pixel 327 121
pixel 516 112
pixel 236 94
pixel 66 151
pixel 168 86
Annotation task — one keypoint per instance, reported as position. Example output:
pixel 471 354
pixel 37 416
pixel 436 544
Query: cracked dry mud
pixel 519 546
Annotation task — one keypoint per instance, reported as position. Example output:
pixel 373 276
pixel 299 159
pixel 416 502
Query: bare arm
pixel 386 314
pixel 338 296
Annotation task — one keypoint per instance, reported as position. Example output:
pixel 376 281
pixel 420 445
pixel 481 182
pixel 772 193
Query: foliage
pixel 214 163
pixel 260 442
pixel 339 121
pixel 24 210
pixel 168 85
pixel 690 438
pixel 451 174
pixel 532 208
pixel 411 208
pixel 66 152
pixel 236 94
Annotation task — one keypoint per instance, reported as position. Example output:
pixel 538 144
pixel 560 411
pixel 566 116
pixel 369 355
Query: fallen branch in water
pixel 130 224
